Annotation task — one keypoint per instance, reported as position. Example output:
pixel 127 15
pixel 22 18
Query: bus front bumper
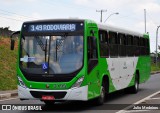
pixel 80 93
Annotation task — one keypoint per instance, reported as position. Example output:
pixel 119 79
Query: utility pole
pixel 145 20
pixel 101 11
pixel 157 43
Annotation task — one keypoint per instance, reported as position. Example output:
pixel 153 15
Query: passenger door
pixel 93 68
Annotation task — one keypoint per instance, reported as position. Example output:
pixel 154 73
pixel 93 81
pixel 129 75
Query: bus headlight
pixel 21 82
pixel 78 82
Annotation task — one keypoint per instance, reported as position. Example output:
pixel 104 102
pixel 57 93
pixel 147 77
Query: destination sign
pixel 52 27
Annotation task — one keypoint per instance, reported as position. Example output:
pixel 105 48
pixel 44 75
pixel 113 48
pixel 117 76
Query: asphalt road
pixel 114 103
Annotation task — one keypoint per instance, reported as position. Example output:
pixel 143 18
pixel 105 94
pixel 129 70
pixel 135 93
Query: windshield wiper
pixel 40 43
pixel 45 51
pixel 43 47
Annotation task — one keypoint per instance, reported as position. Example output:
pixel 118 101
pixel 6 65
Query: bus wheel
pixel 100 100
pixel 133 89
pixel 49 103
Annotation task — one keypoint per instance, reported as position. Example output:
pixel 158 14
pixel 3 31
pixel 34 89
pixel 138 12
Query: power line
pixel 11 18
pixel 17 14
pixel 101 11
pixel 6 14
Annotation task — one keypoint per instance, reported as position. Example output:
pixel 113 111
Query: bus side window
pixel 130 45
pixel 104 47
pixel 142 46
pixel 147 46
pixel 140 50
pixel 122 46
pixel 144 51
pixel 136 44
pixel 113 44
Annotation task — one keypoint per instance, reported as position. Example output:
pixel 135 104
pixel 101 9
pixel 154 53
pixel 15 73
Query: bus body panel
pixel 121 72
pixel 93 78
pixel 71 94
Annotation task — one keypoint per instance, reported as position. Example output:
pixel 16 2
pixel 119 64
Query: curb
pixel 8 95
pixel 156 72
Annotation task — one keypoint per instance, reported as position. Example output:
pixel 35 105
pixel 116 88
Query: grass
pixel 154 67
pixel 8 61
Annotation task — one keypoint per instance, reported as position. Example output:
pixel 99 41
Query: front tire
pixel 100 100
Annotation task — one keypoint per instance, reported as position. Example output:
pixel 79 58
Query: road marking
pixel 8 99
pixel 154 99
pixel 138 102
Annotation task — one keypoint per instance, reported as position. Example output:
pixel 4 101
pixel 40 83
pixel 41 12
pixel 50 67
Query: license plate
pixel 44 97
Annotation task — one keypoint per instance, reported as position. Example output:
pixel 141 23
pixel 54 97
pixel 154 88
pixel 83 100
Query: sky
pixel 131 13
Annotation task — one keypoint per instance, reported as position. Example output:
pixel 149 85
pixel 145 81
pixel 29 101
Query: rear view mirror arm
pixel 12 39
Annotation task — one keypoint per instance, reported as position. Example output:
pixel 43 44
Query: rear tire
pixel 134 89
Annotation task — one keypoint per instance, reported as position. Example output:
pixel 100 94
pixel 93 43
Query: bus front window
pixel 60 54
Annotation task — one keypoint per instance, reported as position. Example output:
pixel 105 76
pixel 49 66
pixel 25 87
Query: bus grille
pixel 57 95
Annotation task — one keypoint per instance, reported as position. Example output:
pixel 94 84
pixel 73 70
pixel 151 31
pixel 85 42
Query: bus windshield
pixel 51 54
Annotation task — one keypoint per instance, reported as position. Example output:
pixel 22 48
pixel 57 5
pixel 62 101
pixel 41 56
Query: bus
pixel 79 59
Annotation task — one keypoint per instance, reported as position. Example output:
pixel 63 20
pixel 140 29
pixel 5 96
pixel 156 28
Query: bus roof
pixel 118 29
pixel 100 25
pixel 56 20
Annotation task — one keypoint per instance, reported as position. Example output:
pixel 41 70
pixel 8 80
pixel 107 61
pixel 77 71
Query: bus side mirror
pixel 12 44
pixel 13 36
